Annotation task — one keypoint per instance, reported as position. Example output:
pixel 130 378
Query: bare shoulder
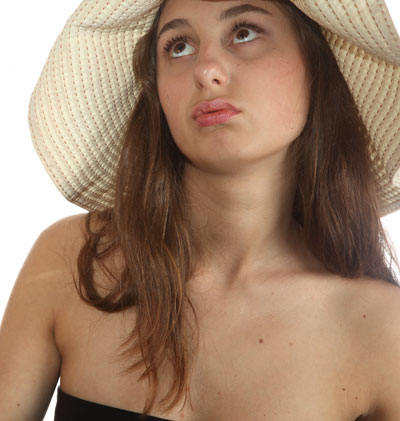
pixel 377 320
pixel 377 308
pixel 67 233
pixel 52 259
pixel 56 244
pixel 368 311
pixel 30 360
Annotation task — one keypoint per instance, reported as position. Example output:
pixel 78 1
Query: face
pixel 246 55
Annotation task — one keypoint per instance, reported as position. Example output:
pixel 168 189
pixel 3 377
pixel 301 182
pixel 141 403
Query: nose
pixel 211 69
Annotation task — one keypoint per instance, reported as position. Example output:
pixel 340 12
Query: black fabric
pixel 70 408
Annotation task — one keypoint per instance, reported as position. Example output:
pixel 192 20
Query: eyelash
pixel 236 26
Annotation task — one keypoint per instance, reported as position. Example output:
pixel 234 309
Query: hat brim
pixel 87 91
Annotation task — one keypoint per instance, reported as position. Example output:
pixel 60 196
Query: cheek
pixel 287 94
pixel 172 99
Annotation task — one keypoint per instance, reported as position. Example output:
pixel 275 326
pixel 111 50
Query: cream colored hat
pixel 86 91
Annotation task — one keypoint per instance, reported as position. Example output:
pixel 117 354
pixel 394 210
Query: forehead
pixel 211 8
pixel 180 13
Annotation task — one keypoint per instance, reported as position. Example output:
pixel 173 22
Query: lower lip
pixel 211 119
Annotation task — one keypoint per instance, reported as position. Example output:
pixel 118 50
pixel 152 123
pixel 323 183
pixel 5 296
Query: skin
pixel 239 174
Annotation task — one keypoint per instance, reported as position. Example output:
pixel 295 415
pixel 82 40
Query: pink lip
pixel 217 117
pixel 208 113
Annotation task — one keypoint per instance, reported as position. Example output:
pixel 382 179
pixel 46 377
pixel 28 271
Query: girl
pixel 232 265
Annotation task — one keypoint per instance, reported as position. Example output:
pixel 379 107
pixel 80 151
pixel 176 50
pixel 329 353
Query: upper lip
pixel 211 106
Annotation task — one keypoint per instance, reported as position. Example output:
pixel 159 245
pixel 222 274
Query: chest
pixel 281 367
pixel 252 362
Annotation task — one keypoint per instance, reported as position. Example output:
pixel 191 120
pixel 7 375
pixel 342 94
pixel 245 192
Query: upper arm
pixel 29 359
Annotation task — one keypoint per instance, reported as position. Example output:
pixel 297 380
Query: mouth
pixel 215 117
pixel 210 107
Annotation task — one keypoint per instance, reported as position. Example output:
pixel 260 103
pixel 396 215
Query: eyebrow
pixel 226 14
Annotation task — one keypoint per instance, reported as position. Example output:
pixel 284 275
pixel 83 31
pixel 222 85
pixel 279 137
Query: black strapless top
pixel 70 408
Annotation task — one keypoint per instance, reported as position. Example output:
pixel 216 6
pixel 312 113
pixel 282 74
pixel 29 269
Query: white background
pixel 29 200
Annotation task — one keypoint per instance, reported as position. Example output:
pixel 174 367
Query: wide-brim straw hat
pixel 86 92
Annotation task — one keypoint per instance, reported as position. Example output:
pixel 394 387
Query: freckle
pixel 344 389
pixel 355 397
pixel 291 344
pixel 219 394
pixel 261 340
pixel 19 404
pixel 364 315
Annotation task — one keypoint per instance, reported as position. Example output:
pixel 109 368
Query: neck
pixel 243 222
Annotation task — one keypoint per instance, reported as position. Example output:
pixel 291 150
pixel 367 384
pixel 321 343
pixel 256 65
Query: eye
pixel 177 45
pixel 243 29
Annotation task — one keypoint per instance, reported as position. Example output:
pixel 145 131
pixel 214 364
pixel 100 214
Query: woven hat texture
pixel 87 91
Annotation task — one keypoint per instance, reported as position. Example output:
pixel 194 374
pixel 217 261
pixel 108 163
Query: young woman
pixel 232 265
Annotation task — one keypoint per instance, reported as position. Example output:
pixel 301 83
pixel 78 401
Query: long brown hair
pixel 336 205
